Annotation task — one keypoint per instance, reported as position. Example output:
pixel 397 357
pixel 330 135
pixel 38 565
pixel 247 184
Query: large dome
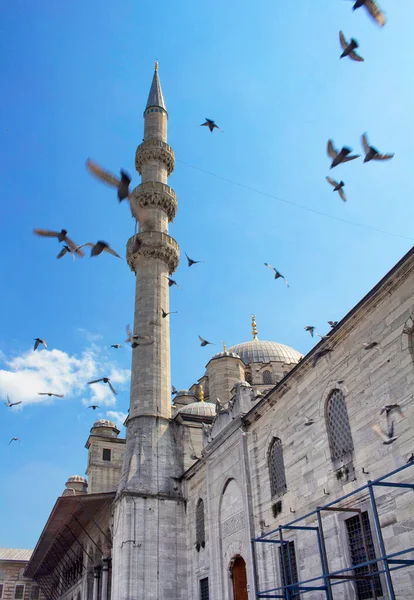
pixel 258 351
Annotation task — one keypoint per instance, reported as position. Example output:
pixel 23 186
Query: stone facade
pixel 13 583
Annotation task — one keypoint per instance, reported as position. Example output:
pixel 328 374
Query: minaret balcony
pixel 153 194
pixel 154 150
pixel 153 244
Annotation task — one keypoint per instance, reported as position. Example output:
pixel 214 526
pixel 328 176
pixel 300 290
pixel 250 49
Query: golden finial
pixel 201 393
pixel 156 65
pixel 224 347
pixel 254 327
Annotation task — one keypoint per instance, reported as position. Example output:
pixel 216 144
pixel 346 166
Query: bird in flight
pixel 122 183
pixel 372 153
pixel 61 236
pixel 373 9
pixel 337 187
pixel 323 337
pixel 174 390
pixel 171 282
pixel 369 346
pixel 115 346
pixel 192 262
pixel 165 314
pixel 133 339
pixel 277 274
pixel 203 341
pixel 388 436
pixel 339 157
pixel 310 328
pixel 333 323
pixel 349 48
pixel 99 247
pixel 10 404
pixel 93 406
pixel 50 394
pixel 319 355
pixel 389 408
pixel 14 439
pixel 210 124
pixel 65 250
pixel 38 341
pixel 105 380
pixel 309 421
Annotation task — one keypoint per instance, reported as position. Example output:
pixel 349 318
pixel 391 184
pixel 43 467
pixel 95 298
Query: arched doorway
pixel 239 578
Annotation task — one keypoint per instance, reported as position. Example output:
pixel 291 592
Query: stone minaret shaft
pixel 149 516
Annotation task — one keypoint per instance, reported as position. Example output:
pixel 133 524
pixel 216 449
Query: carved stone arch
pixel 233 550
pixel 273 433
pixel 231 516
pixel 330 386
pixel 407 336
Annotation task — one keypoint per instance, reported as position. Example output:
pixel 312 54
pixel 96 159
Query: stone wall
pixel 11 574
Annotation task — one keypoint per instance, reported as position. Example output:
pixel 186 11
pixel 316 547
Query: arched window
pixel 337 423
pixel 267 377
pixel 277 468
pixel 200 529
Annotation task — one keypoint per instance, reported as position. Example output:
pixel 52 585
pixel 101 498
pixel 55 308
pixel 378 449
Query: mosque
pixel 265 478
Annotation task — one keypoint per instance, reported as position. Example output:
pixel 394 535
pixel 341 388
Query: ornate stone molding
pixel 233 524
pixel 153 244
pixel 154 150
pixel 153 194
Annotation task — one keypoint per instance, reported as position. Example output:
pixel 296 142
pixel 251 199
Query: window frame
pixel 201 581
pixel 276 490
pixel 34 587
pixel 344 457
pixel 280 551
pixel 200 524
pixel 110 454
pixel 268 375
pixel 19 585
pixel 1 589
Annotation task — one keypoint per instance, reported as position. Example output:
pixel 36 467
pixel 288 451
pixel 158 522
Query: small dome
pixel 77 479
pixel 258 351
pixel 224 354
pixel 104 423
pixel 199 409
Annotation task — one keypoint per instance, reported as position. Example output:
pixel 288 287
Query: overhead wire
pixel 296 204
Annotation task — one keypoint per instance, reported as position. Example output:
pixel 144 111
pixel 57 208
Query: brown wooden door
pixel 240 579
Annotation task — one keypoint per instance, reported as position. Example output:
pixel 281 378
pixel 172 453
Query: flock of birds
pixel 122 184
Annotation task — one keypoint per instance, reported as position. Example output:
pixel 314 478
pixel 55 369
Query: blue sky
pixel 75 78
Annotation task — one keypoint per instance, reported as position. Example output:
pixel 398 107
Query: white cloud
pixel 58 372
pixel 117 416
pixel 89 336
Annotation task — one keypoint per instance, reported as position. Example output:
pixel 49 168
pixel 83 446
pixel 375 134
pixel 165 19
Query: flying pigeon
pixel 309 421
pixel 310 328
pixel 50 394
pixel 203 341
pixel 210 124
pixel 319 355
pixel 349 48
pixel 115 346
pixel 389 408
pixel 172 282
pixel 337 187
pixel 105 380
pixel 65 250
pixel 99 247
pixel 370 345
pixel 10 404
pixel 333 323
pixel 192 262
pixel 373 9
pixel 14 439
pixel 323 337
pixel 387 437
pixel 93 406
pixel 165 314
pixel 410 458
pixel 133 339
pixel 173 390
pixel 372 153
pixel 38 341
pixel 341 156
pixel 277 274
pixel 61 236
pixel 121 183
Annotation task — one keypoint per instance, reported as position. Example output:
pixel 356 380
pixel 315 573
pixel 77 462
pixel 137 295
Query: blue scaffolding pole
pixel 390 562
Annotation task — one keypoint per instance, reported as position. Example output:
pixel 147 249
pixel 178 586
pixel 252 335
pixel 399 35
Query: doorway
pixel 239 579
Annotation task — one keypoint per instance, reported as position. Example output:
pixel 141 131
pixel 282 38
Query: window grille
pixel 200 529
pixel 358 555
pixel 19 592
pixel 289 567
pixel 277 468
pixel 34 592
pixel 1 590
pixel 339 429
pixel 204 594
pixel 106 454
pixel 267 377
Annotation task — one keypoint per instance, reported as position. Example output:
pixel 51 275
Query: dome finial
pixel 254 327
pixel 201 393
pixel 224 347
pixel 156 66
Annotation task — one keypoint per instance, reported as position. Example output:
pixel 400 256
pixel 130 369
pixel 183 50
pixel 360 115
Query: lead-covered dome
pixel 198 409
pixel 258 351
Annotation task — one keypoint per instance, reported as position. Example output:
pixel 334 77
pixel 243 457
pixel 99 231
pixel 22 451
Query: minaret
pixel 149 514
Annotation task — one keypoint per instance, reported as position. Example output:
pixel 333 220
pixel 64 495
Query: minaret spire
pixel 155 96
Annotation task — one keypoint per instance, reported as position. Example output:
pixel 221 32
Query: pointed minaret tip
pixel 156 66
pixel 155 96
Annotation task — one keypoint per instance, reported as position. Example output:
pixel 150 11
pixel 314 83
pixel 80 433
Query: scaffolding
pixel 384 564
